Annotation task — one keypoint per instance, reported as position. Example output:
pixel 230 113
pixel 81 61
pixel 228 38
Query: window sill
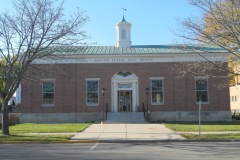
pixel 157 104
pixel 202 103
pixel 92 105
pixel 48 105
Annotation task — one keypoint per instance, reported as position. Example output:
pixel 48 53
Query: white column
pixel 115 97
pixel 137 96
pixel 134 96
pixel 112 96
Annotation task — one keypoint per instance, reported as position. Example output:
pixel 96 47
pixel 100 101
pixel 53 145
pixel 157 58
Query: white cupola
pixel 124 33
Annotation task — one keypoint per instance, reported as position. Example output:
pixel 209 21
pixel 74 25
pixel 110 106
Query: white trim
pixel 203 78
pixel 157 78
pixel 48 80
pixel 54 92
pixel 18 95
pixel 128 58
pixel 115 80
pixel 203 103
pixel 92 79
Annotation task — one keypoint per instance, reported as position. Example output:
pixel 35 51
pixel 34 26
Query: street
pixel 138 151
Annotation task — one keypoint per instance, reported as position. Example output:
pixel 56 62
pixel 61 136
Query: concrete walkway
pixel 127 132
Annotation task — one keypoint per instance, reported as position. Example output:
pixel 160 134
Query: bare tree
pixel 30 32
pixel 219 26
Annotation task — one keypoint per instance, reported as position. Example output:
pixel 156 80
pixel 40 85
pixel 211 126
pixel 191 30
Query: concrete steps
pixel 125 117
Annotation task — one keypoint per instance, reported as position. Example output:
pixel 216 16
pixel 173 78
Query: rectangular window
pixel 202 89
pixel 157 91
pixel 92 92
pixel 48 92
pixel 233 99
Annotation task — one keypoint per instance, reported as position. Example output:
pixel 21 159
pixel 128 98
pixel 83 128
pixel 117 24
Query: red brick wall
pixel 70 88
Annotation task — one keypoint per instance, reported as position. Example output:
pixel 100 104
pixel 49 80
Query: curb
pixel 155 141
pixel 165 141
pixel 52 142
pixel 121 141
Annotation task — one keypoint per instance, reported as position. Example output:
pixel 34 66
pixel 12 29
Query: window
pixel 48 92
pixel 233 99
pixel 92 92
pixel 124 34
pixel 202 90
pixel 157 91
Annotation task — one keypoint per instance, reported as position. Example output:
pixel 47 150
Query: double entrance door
pixel 125 101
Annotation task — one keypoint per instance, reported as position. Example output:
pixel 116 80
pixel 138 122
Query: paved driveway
pixel 127 132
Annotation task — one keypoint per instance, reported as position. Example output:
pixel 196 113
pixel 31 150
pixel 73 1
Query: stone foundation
pixel 190 116
pixel 97 117
pixel 60 117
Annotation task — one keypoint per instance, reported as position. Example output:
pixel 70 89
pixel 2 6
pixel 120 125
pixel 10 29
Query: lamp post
pixel 103 93
pixel 147 91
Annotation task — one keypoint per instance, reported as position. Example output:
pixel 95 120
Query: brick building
pixel 85 81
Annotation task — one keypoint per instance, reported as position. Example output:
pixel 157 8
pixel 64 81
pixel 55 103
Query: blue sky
pixel 152 20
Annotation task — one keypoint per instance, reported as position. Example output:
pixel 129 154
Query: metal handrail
pixel 106 112
pixel 144 111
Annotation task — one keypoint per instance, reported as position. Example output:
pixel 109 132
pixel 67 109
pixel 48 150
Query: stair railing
pixel 144 111
pixel 106 111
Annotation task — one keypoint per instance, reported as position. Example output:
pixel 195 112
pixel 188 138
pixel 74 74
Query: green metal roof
pixel 135 49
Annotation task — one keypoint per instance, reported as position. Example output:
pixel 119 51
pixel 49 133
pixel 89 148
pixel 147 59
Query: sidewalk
pixel 127 132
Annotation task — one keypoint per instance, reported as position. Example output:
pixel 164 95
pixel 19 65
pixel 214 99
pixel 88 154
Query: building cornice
pixel 150 58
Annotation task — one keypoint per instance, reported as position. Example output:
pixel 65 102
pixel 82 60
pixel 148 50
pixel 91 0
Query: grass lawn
pixel 19 132
pixel 35 138
pixel 212 136
pixel 47 128
pixel 205 126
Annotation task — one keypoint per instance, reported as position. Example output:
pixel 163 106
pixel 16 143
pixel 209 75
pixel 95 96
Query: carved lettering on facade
pixel 118 60
pixel 122 60
pixel 102 60
pixel 146 59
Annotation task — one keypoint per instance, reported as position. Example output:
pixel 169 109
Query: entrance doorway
pixel 124 92
pixel 125 101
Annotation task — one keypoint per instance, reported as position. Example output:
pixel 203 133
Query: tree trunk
pixel 5 123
